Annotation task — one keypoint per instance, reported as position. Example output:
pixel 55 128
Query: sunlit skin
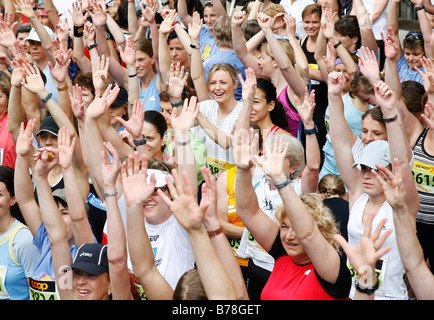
pixel 261 108
pixel 166 111
pixel 221 86
pixel 37 51
pixel 6 201
pixel 266 64
pixel 88 287
pixel 178 53
pixel 312 24
pixel 209 17
pixel 155 210
pixel 372 130
pixel 3 103
pixel 291 244
pixel 116 112
pixel 348 43
pixel 413 57
pixel 47 139
pixel 154 141
pixel 144 63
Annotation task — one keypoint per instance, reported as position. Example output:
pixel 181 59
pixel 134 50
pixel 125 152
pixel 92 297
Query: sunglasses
pixel 417 36
pixel 155 193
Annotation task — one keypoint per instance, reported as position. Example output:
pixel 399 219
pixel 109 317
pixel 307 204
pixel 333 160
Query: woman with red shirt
pixel 308 265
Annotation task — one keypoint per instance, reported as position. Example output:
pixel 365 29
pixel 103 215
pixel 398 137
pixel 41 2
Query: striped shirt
pixel 423 174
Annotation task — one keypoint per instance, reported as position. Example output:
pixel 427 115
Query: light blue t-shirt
pixel 405 73
pixel 44 268
pixel 14 272
pixel 151 96
pixel 354 119
pixel 207 44
pixel 230 57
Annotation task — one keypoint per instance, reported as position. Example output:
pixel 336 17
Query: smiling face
pixel 413 56
pixel 221 86
pixel 155 210
pixel 154 141
pixel 209 16
pixel 144 63
pixel 261 108
pixel 311 24
pixel 291 244
pixel 88 287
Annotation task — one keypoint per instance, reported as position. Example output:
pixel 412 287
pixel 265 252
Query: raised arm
pixel 420 277
pixel 214 277
pixel 22 180
pixel 296 82
pixel 76 207
pixel 398 142
pixel 116 238
pixel 263 229
pixel 341 135
pixel 137 190
pixel 53 221
pixel 310 174
pixel 246 57
pixel 365 25
pixel 321 253
pixel 197 70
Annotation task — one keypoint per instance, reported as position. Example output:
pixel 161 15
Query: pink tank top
pixel 294 120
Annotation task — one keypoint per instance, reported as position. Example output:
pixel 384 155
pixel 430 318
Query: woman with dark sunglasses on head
pixel 416 43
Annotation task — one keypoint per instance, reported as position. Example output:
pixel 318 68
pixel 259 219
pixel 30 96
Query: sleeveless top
pixel 389 267
pixel 150 97
pixel 233 217
pixel 13 280
pixel 423 174
pixel 294 120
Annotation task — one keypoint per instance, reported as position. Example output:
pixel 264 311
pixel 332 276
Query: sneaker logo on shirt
pixel 307 272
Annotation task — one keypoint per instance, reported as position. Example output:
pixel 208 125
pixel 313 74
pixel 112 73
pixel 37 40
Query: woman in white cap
pixel 366 194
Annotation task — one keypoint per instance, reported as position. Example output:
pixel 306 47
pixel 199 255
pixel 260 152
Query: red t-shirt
pixel 7 145
pixel 290 281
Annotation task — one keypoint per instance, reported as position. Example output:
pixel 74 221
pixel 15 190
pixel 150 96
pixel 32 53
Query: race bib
pixel 423 175
pixel 43 290
pixel 3 292
pixel 216 165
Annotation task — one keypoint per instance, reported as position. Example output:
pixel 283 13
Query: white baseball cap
pixel 376 152
pixel 33 35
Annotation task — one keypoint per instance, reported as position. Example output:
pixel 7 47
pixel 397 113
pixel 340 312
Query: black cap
pixel 121 99
pixel 48 125
pixel 91 258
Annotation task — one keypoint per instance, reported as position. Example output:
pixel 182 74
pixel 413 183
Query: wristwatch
pixel 419 8
pixel 194 45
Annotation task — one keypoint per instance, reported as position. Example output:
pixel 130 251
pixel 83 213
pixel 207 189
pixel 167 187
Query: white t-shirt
pixel 389 266
pixel 218 158
pixel 173 254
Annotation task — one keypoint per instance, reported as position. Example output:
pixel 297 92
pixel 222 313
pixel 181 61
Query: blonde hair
pixel 272 9
pixel 330 185
pixel 321 215
pixel 290 54
pixel 223 32
pixel 223 66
